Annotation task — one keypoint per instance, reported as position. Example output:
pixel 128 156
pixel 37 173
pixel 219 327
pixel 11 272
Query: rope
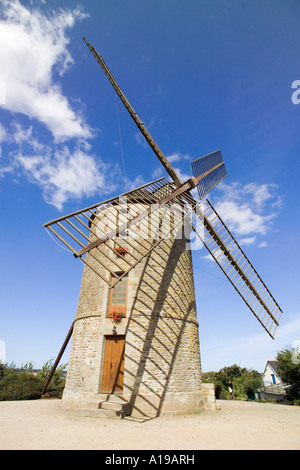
pixel 50 235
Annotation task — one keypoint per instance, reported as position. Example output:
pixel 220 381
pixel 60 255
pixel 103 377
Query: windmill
pixel 137 302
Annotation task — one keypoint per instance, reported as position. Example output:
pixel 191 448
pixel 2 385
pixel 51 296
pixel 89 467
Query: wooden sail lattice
pixel 113 236
pixel 103 235
pixel 230 257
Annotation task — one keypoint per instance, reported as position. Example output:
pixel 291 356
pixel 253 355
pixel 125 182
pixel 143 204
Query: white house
pixel 270 375
pixel 273 387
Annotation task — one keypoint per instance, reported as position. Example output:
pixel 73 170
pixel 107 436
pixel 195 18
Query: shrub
pixel 20 386
pixel 57 378
pixel 289 371
pixel 24 385
pixel 245 382
pixel 268 400
pixel 55 389
pixel 223 395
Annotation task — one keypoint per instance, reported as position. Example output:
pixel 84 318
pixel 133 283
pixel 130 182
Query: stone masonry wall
pixel 162 358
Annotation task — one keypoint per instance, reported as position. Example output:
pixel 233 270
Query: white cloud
pixel 158 172
pixel 242 218
pixel 183 176
pixel 208 257
pixel 32 47
pixel 247 240
pixel 20 135
pixel 141 140
pixel 133 184
pixel 3 133
pixel 6 169
pixel 2 92
pixel 139 136
pixel 260 194
pixel 3 136
pixel 177 157
pixel 65 175
pixel 248 210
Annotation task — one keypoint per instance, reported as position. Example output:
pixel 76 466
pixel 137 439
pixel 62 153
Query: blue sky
pixel 202 75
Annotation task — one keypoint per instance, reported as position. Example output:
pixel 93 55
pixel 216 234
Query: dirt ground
pixel 44 424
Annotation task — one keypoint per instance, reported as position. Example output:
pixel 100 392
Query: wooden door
pixel 113 367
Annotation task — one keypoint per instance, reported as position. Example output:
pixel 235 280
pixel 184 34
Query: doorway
pixel 113 367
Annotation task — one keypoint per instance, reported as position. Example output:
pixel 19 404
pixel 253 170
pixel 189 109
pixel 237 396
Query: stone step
pixel 100 413
pixel 106 406
pixel 111 405
pixel 100 399
pixel 109 397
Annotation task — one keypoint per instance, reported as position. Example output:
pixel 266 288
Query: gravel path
pixel 45 424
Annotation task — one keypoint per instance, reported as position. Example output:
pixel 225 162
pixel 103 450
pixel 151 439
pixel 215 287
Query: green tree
pixel 289 370
pixel 229 373
pixel 245 382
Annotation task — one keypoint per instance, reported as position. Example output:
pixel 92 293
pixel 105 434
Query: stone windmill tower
pixel 135 345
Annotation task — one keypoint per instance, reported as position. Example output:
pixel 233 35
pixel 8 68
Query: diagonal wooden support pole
pixel 54 367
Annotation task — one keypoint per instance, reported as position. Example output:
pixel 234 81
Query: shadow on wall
pixel 154 337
